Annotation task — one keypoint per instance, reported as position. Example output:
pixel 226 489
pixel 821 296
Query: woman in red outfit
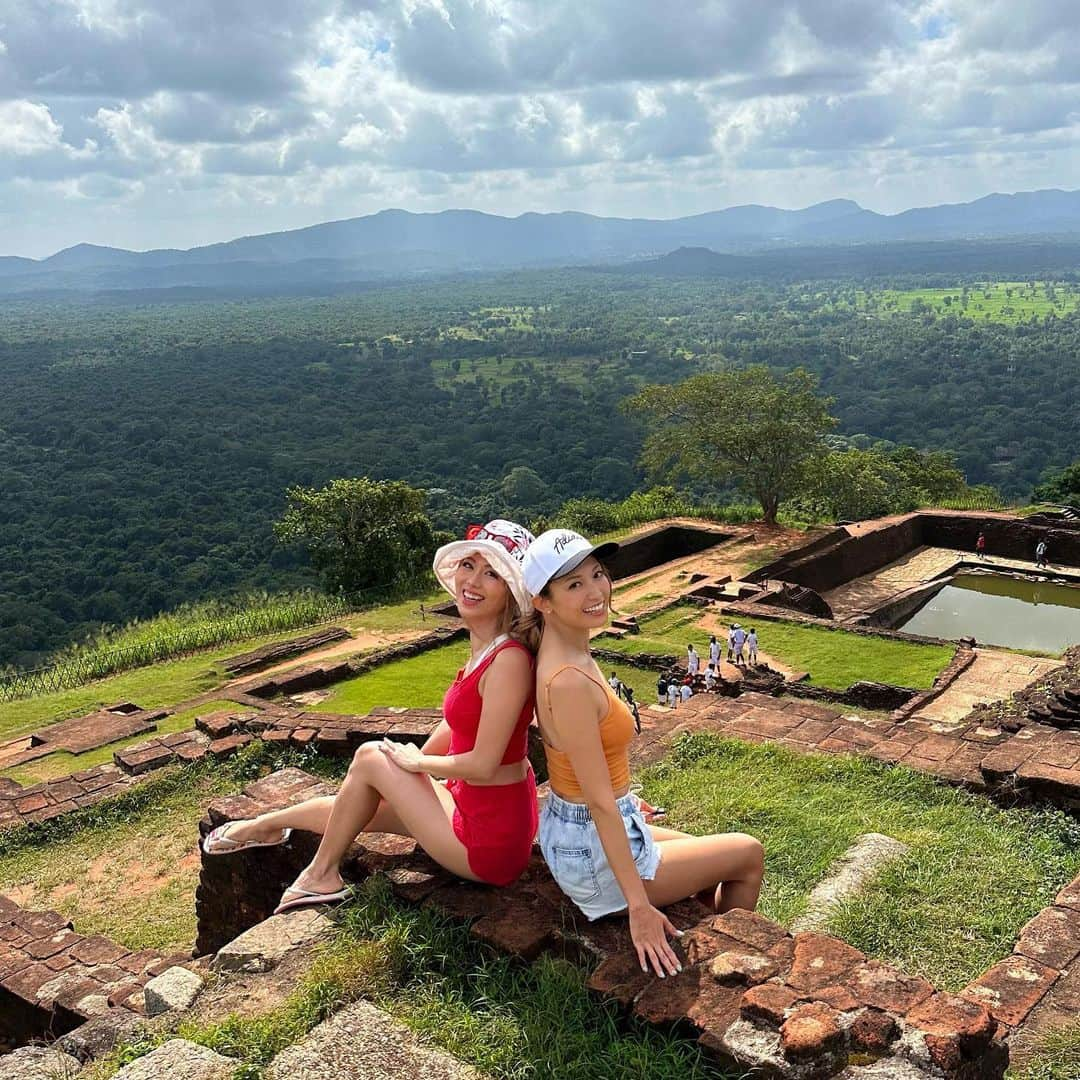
pixel 481 823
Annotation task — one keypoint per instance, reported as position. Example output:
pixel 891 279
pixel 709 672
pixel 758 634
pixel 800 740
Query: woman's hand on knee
pixel 649 930
pixel 403 755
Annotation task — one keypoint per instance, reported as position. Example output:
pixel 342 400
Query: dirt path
pixel 361 640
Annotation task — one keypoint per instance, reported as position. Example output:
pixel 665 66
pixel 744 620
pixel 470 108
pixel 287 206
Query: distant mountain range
pixel 397 244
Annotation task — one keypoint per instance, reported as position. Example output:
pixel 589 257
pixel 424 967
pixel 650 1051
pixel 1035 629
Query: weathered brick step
pixel 180 746
pixel 52 978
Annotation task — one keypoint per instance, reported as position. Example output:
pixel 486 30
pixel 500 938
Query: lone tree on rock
pixel 745 423
pixel 361 533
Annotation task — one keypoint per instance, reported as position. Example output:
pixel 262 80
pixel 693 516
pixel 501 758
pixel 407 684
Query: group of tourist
pixel 468 795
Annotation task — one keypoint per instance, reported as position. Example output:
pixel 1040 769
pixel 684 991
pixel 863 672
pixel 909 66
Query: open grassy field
pixel 506 370
pixel 834 658
pixel 947 910
pixel 1001 301
pixel 417 681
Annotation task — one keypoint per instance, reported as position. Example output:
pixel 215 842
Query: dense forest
pixel 145 447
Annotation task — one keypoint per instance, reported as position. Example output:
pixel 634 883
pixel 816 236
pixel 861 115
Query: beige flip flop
pixel 217 843
pixel 306 898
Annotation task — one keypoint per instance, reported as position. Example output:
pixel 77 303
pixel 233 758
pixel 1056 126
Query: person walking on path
pixel 738 640
pixel 980 546
pixel 693 661
pixel 751 645
pixel 595 835
pixel 731 642
pixel 714 651
pixel 480 824
pixel 615 682
pixel 1040 553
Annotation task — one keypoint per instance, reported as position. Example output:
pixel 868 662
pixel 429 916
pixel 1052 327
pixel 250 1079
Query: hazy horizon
pixel 140 124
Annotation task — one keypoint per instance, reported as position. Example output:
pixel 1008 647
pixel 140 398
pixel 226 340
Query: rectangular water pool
pixel 999 610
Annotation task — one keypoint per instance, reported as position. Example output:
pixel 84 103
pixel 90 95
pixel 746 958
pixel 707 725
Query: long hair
pixel 526 629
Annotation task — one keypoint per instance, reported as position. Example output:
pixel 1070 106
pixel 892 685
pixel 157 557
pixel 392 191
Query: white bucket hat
pixel 502 543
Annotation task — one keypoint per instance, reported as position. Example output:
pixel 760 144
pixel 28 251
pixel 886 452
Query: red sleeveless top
pixel 463 703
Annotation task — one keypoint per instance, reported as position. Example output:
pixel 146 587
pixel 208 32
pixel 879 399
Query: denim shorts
pixel 571 847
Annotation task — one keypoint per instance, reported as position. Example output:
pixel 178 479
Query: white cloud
pixel 313 109
pixel 27 128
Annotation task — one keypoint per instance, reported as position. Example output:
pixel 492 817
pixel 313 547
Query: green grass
pixel 415 682
pixel 512 1022
pixel 1056 1055
pixel 62 763
pixel 394 618
pixel 947 910
pixel 1005 301
pixel 834 658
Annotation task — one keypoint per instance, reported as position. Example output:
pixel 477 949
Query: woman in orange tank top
pixel 594 833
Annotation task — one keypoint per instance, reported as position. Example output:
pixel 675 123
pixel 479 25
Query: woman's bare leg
pixel 311 815
pixel 424 808
pixel 730 866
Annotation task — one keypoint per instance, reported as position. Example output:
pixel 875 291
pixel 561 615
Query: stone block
pixel 179 1059
pixel 231 744
pixel 264 946
pixel 1069 896
pixel 750 928
pixel 175 989
pixel 619 977
pixel 872 1032
pixel 1048 780
pixel 1052 937
pixel 768 1003
pixel 958 1031
pixel 821 960
pixel 812 1033
pixel 1000 764
pixel 882 986
pixel 43 948
pixel 97 950
pixel 1011 988
pixel 217 724
pixel 742 969
pixel 518 929
pixel 38 1063
pixel 99 1035
pixel 280 788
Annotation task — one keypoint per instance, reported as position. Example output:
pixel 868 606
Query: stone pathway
pixel 994 676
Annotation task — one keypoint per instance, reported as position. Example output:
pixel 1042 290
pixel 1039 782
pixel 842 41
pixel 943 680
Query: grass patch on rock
pixel 947 910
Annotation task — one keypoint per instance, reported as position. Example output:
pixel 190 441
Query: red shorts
pixel 497 826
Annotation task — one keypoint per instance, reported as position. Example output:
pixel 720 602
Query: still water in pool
pixel 999 610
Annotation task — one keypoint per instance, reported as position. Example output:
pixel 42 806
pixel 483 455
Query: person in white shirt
pixel 751 645
pixel 672 694
pixel 738 639
pixel 710 677
pixel 615 683
pixel 714 651
pixel 686 692
pixel 693 661
pixel 731 642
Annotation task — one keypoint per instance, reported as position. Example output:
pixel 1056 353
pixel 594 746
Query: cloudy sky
pixel 149 123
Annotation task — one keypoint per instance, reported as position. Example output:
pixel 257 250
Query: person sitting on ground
pixel 594 834
pixel 710 677
pixel 662 689
pixel 738 640
pixel 479 825
pixel 751 645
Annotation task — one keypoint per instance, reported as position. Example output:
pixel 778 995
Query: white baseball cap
pixel 554 553
pixel 503 543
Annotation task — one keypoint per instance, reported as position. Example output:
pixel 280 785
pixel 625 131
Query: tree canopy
pixel 361 533
pixel 749 425
pixel 1061 487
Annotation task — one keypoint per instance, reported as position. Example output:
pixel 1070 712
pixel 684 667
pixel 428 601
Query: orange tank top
pixel 616 731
